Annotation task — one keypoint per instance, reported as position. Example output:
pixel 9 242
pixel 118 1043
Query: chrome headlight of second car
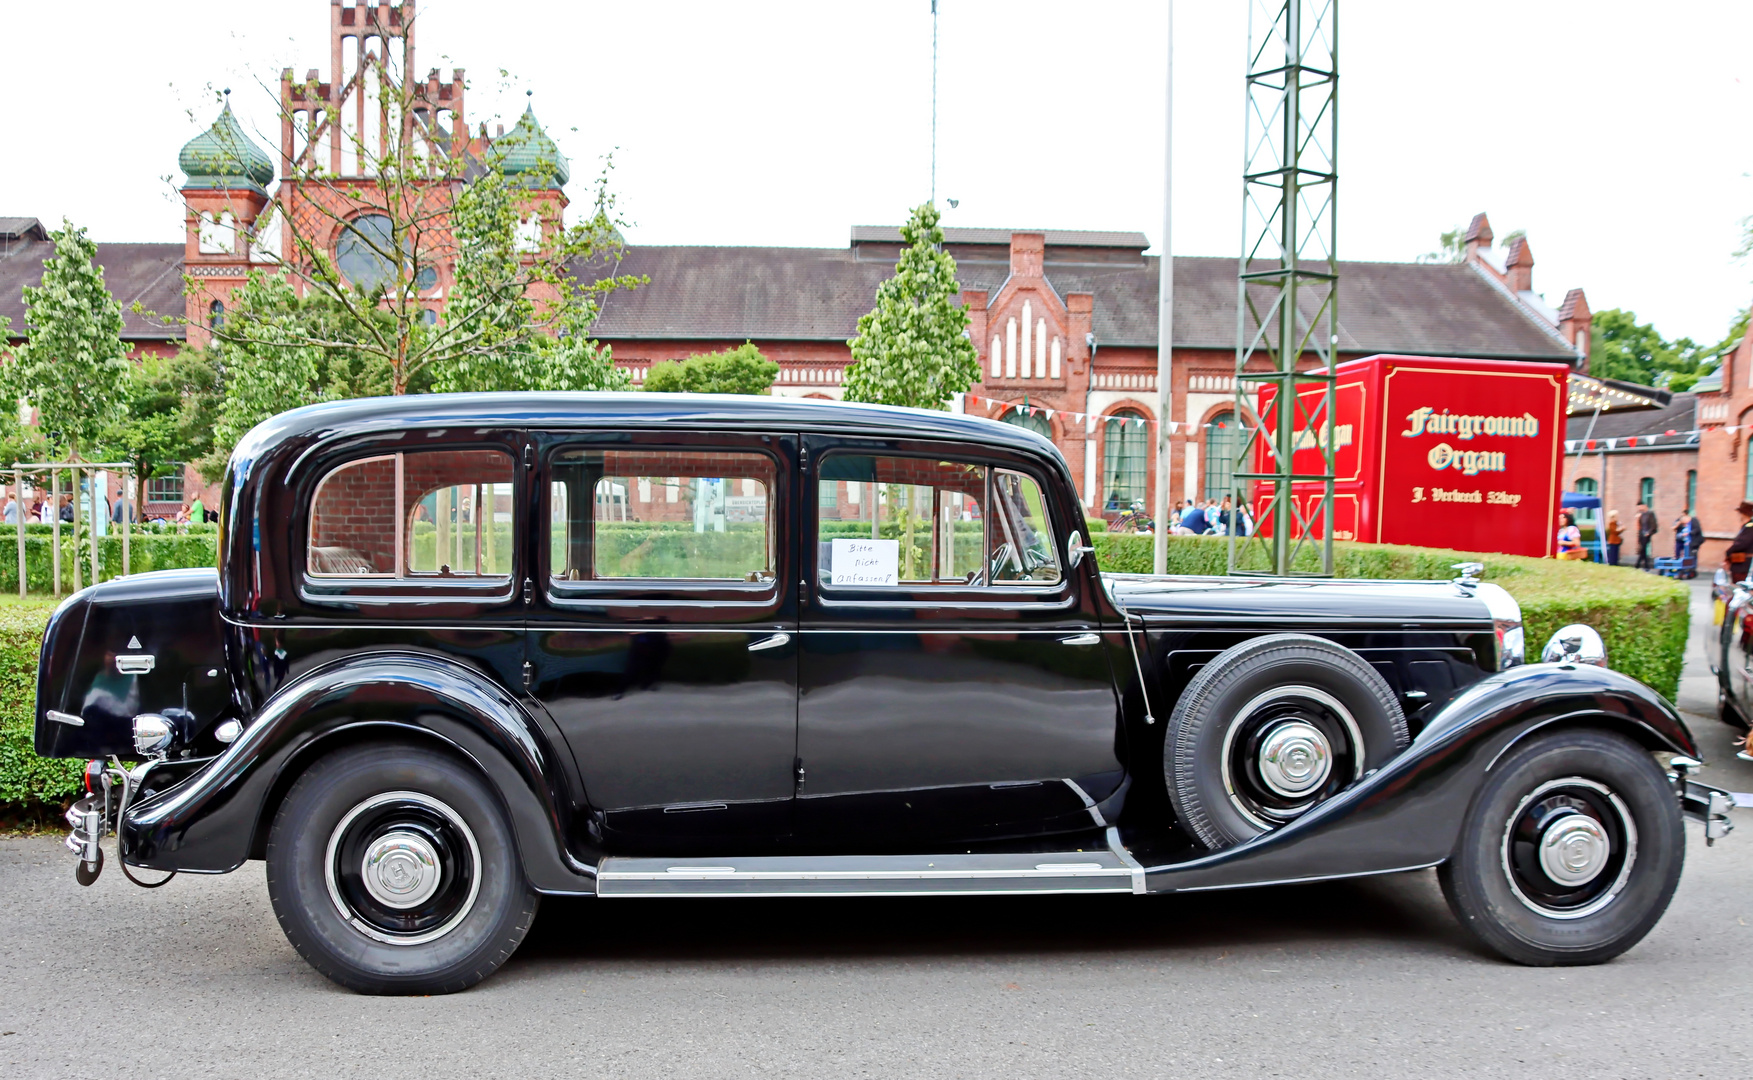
pixel 1506 624
pixel 1577 643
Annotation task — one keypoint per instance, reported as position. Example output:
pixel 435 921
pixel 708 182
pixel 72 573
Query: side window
pixel 457 508
pixel 894 521
pixel 353 520
pixel 690 515
pixel 1026 551
pixel 433 514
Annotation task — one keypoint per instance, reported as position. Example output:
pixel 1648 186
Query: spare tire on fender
pixel 1271 728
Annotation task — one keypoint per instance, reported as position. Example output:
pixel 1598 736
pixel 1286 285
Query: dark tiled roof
pixel 22 228
pixel 817 294
pixel 151 274
pixel 1681 414
pixel 890 234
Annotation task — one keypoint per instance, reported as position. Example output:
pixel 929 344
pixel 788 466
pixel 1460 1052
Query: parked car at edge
pixel 463 652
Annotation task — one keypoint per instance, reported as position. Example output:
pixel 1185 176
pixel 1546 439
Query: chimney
pixel 1518 266
pixel 1028 252
pixel 1575 320
pixel 1478 236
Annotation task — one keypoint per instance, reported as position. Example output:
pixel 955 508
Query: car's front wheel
pixel 393 870
pixel 1570 852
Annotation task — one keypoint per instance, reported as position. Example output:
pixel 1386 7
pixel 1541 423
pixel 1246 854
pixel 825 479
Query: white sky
pixel 1615 133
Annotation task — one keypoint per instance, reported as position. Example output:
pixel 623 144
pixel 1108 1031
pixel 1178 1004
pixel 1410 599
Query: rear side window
pixel 902 521
pixel 438 515
pixel 691 515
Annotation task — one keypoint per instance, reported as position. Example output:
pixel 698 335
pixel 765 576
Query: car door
pixel 952 681
pixel 662 637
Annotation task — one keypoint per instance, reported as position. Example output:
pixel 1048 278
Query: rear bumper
pixel 1708 804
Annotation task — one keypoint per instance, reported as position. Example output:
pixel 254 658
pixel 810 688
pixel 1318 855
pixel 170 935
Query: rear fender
pixel 1409 813
pixel 217 818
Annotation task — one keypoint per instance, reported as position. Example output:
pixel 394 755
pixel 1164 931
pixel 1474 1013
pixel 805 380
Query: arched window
pixel 1032 421
pixel 1125 459
pixel 1646 491
pixel 1691 491
pixel 216 314
pixel 1223 437
pixel 1586 485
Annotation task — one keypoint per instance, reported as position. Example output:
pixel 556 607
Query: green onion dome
pixel 224 158
pixel 530 154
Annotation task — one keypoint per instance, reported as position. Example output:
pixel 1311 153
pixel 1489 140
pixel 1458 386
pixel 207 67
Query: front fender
pixel 208 823
pixel 1408 814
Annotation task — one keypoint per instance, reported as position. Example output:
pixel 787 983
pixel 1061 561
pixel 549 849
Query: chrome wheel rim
pixel 1569 848
pixel 1288 749
pixel 403 868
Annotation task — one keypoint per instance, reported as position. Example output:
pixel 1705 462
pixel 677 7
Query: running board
pixel 875 875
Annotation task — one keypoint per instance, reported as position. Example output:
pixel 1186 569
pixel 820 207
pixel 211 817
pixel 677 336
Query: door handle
pixel 1081 639
pixel 770 642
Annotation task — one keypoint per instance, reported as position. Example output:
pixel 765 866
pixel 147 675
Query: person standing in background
pixel 1647 528
pixel 1615 537
pixel 1682 535
pixel 1735 559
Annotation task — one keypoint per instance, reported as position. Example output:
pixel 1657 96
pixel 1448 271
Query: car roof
pixel 592 410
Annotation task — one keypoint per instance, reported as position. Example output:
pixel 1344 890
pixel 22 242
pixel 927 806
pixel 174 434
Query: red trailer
pixel 1435 452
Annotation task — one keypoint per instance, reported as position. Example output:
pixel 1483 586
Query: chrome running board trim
pixel 1097 871
pixel 1305 880
pixel 1125 856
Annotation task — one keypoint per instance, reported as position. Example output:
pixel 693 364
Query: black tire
pixel 1219 738
pixel 410 806
pixel 1495 882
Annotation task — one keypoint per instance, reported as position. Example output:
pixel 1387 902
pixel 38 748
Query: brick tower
pixel 223 197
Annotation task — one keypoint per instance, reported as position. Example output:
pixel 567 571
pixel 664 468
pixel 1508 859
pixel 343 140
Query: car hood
pixel 1297 604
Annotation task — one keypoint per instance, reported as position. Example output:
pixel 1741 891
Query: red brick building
pixel 1725 449
pixel 1066 322
pixel 1649 456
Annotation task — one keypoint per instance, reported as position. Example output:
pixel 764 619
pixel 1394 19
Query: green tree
pixel 742 370
pixel 73 367
pixel 173 408
pixel 913 347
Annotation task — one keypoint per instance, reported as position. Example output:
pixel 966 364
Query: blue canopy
pixel 1579 500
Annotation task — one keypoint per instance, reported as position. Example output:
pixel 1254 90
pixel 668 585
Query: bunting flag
pixel 1670 437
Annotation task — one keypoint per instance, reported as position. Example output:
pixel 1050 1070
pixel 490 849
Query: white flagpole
pixel 1165 313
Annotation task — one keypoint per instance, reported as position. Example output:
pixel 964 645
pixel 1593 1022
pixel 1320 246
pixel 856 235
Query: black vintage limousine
pixel 465 651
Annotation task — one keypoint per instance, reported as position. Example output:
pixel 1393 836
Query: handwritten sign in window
pixel 865 562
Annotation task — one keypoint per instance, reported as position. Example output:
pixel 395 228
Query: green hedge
pixel 1642 618
pixel 148 550
pixel 25 779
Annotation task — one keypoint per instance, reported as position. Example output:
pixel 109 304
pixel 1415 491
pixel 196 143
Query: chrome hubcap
pixel 1574 849
pixel 403 868
pixel 400 870
pixel 1569 848
pixel 1295 758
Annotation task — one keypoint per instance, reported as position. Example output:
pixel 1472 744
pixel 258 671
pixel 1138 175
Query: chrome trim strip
pixel 1301 880
pixel 1120 852
pixel 1088 803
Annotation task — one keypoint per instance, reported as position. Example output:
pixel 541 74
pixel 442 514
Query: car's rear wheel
pixel 393 870
pixel 1270 729
pixel 1570 852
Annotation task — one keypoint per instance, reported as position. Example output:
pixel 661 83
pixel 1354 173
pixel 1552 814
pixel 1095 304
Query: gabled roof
pixel 817 294
pixel 151 274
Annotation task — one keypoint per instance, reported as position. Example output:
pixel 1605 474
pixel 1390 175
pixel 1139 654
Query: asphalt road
pixel 1368 977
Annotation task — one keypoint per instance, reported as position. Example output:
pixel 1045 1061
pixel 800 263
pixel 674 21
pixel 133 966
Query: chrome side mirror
pixel 1076 549
pixel 1577 643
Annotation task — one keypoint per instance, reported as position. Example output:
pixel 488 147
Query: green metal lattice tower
pixel 1288 282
